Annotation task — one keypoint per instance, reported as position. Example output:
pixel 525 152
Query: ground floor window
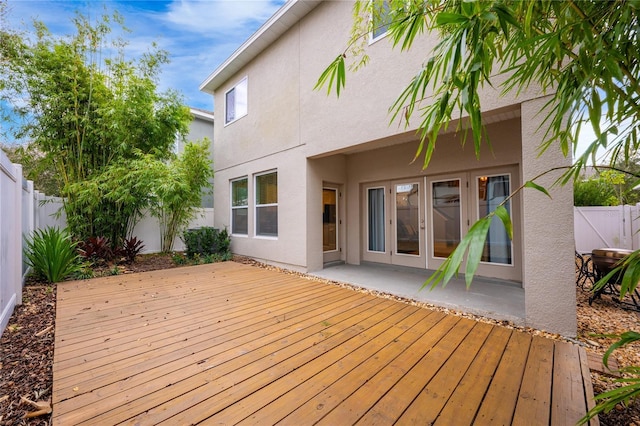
pixel 239 206
pixel 266 191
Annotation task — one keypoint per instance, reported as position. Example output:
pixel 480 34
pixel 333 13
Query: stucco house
pixel 304 180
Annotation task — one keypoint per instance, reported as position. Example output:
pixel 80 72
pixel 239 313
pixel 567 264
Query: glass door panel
pixel 329 219
pixel 407 219
pixel 376 220
pixel 446 219
pixel 492 191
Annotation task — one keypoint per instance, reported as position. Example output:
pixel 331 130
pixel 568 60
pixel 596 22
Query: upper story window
pixel 380 20
pixel 239 206
pixel 266 188
pixel 235 102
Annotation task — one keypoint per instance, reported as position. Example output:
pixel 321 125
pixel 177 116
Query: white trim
pixel 256 206
pixel 204 115
pixel 477 206
pixel 384 210
pixel 328 188
pixel 237 116
pixel 372 39
pixel 395 218
pixel 232 207
pixel 429 200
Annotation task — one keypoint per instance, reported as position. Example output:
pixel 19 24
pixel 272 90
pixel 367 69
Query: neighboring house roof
pixel 202 114
pixel 284 18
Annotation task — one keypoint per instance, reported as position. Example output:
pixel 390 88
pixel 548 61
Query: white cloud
pixel 220 16
pixel 199 35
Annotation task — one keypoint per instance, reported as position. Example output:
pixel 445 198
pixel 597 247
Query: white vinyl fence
pixel 10 238
pixel 23 210
pixel 599 227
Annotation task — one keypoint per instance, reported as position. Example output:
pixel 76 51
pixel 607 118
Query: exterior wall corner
pixel 548 245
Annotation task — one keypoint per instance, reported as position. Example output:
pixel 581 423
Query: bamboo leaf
pixel 334 72
pixel 505 217
pixel 447 18
pixel 531 184
pixel 477 237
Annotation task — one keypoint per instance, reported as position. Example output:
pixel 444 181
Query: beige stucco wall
pixel 361 113
pixel 331 171
pixel 313 139
pixel 291 244
pixel 272 123
pixel 548 242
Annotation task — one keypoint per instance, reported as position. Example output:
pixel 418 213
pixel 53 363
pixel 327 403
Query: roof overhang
pixel 202 114
pixel 287 16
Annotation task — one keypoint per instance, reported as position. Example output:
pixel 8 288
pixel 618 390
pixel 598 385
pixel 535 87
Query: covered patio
pixel 229 343
pixel 491 298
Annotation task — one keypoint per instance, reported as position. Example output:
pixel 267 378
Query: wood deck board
pixel 341 378
pixel 229 343
pixel 431 400
pixel 224 356
pixel 161 328
pixel 534 398
pixel 284 375
pixel 246 373
pixel 568 402
pixel 324 402
pixel 167 374
pixel 312 377
pixel 499 402
pixel 463 404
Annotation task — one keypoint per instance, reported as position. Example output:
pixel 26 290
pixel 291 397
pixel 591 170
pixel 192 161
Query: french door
pixel 455 202
pixel 447 205
pixel 419 222
pixel 394 223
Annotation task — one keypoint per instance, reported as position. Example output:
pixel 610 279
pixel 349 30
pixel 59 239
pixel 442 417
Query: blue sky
pixel 199 35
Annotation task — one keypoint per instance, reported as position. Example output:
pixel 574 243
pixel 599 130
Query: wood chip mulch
pixel 26 347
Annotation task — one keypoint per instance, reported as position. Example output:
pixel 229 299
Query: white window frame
pixel 238 112
pixel 384 211
pixel 329 188
pixel 256 206
pixel 477 208
pixel 246 206
pixel 432 221
pixel 372 38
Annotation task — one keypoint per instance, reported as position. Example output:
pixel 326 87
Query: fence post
pixel 28 221
pixel 17 235
pixel 635 226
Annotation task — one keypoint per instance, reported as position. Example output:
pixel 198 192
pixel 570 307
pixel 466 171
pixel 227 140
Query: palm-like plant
pixel 52 254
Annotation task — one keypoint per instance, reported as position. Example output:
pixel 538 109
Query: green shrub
pixel 179 259
pixel 207 242
pixel 52 254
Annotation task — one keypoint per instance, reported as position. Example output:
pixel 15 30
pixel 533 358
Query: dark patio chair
pixel 586 275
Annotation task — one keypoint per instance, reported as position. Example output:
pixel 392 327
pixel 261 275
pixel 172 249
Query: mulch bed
pixel 26 354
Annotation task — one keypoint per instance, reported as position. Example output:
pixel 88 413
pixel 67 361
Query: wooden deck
pixel 228 343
